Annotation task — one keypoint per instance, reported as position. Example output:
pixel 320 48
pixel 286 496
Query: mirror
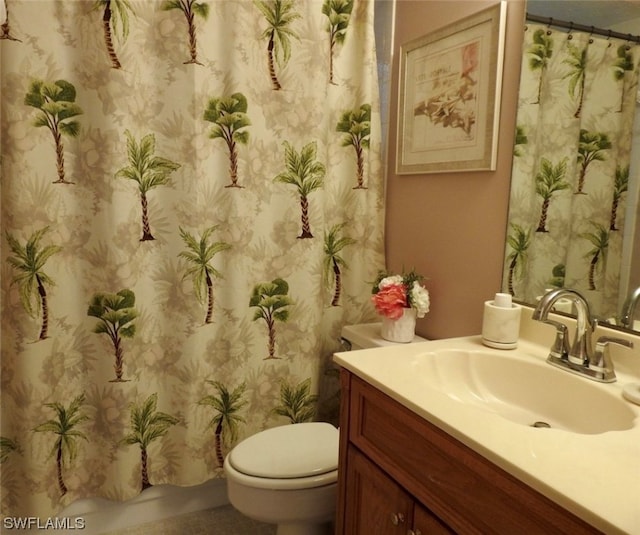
pixel 621 17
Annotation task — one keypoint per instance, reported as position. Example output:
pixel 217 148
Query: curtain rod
pixel 550 21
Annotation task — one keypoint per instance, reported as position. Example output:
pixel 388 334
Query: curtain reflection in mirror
pixel 571 179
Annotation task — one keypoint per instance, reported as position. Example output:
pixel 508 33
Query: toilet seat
pixel 294 456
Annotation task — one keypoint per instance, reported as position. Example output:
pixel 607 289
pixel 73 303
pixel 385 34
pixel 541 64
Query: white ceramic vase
pixel 401 330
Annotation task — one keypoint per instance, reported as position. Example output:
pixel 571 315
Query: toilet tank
pixel 367 336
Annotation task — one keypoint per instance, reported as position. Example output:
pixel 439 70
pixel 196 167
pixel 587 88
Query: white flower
pixel 419 299
pixel 390 281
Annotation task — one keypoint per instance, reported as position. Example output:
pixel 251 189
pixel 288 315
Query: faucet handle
pixel 604 341
pixel 601 361
pixel 560 347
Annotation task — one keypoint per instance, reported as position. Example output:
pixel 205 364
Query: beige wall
pixel 451 227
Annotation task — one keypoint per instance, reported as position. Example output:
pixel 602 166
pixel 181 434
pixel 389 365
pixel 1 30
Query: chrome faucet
pixel 629 309
pixel 579 356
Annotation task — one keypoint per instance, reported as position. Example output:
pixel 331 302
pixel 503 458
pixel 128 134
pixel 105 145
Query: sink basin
pixel 525 391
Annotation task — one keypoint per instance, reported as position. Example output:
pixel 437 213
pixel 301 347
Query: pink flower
pixel 390 301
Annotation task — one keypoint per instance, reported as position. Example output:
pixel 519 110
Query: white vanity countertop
pixel 595 476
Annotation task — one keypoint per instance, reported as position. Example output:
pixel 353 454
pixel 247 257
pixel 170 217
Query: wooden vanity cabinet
pixel 400 474
pixel 383 506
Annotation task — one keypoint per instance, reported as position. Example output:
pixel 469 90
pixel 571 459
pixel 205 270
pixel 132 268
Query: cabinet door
pixel 425 523
pixel 376 505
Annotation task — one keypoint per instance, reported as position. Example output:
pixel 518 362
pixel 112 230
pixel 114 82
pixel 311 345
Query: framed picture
pixel 450 86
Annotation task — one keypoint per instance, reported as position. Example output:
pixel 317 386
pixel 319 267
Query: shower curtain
pixel 192 207
pixel 571 179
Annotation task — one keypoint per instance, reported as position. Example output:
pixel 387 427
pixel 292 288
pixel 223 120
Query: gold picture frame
pixel 449 96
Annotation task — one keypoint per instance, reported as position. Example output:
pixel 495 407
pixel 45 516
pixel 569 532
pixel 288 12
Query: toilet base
pixel 306 511
pixel 305 529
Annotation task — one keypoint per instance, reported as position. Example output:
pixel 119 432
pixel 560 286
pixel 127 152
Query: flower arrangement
pixel 393 293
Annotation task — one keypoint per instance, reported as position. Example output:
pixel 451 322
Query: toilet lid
pixel 289 451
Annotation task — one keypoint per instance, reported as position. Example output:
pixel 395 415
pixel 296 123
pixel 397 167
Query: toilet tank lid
pixel 367 335
pixel 288 451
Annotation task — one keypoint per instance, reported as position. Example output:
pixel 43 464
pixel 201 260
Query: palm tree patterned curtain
pixel 192 207
pixel 571 178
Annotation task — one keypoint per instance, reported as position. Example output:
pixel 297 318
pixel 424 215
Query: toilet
pixel 288 475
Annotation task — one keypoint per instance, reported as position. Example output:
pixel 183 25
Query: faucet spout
pixel 578 357
pixel 580 350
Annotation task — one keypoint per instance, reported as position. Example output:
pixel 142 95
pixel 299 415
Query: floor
pixel 223 520
pixel 164 510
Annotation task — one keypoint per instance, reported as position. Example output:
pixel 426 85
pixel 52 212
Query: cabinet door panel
pixel 425 523
pixel 376 505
